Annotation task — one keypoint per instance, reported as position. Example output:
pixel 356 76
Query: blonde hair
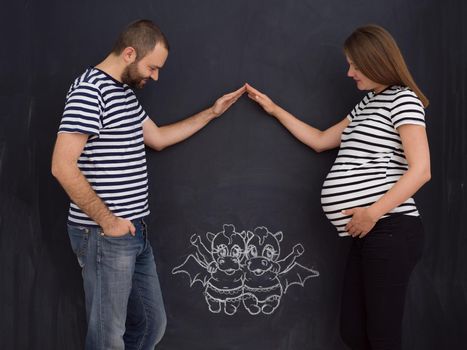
pixel 376 54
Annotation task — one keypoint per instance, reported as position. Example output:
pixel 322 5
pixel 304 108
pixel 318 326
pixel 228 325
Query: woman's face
pixel 363 83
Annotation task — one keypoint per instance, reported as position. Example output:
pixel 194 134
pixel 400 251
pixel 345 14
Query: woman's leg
pixel 389 254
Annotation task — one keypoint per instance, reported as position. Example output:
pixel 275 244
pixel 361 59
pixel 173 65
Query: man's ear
pixel 129 55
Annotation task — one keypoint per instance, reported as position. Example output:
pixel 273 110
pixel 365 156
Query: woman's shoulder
pixel 404 94
pixel 400 90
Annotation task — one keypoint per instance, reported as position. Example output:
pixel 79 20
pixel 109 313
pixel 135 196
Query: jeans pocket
pixel 79 237
pixel 127 235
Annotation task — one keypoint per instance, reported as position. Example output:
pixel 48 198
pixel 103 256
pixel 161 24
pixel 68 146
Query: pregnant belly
pixel 345 193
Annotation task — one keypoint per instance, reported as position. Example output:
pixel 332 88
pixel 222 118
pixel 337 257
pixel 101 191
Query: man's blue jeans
pixel 124 306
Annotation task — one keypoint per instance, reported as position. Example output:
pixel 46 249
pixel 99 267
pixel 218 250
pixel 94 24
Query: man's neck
pixel 112 66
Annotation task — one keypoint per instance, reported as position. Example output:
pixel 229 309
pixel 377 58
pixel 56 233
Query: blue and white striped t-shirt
pixel 371 158
pixel 114 157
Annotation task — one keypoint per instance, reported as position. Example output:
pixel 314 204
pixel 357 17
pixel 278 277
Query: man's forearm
pixel 179 131
pixel 161 137
pixel 81 193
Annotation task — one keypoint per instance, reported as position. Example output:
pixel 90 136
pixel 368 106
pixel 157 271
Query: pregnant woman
pixel 383 160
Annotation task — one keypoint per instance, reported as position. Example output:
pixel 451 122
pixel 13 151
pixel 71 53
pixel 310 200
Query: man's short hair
pixel 142 35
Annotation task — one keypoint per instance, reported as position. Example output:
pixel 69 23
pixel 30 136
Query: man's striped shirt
pixel 114 159
pixel 371 158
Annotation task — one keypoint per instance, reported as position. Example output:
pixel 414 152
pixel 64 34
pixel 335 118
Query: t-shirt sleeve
pixel 144 116
pixel 356 110
pixel 407 109
pixel 82 113
pixel 353 113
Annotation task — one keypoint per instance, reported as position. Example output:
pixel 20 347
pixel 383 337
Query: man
pixel 99 159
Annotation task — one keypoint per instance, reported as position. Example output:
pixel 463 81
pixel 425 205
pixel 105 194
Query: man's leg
pixel 146 318
pixel 107 267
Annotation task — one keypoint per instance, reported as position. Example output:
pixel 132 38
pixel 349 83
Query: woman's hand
pixel 264 101
pixel 314 138
pixel 361 223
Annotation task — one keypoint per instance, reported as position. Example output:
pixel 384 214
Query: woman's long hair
pixel 376 54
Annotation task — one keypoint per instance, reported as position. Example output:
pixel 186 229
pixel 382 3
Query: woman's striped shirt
pixel 371 158
pixel 114 159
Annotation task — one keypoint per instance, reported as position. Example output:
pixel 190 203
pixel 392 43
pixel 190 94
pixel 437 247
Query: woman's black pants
pixel 375 283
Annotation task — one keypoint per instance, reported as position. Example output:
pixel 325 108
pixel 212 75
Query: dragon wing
pixel 195 269
pixel 296 274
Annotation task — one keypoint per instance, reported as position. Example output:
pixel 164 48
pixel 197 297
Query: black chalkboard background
pixel 242 169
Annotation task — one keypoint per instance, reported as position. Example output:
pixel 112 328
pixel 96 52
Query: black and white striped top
pixel 114 158
pixel 371 158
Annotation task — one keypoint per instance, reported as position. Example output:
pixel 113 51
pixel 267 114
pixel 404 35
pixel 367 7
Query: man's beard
pixel 132 78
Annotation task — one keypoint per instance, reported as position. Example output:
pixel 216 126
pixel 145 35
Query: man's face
pixel 137 73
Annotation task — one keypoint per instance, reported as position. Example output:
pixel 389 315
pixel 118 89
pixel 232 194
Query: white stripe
pixel 105 136
pixel 101 142
pixel 115 157
pixel 117 179
pixel 113 172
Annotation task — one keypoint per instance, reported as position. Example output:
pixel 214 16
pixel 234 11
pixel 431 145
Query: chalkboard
pixel 243 173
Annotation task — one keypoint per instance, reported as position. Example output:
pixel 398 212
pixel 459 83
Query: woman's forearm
pixel 403 189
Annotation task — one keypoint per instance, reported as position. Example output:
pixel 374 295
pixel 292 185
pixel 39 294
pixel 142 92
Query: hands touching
pixel 224 102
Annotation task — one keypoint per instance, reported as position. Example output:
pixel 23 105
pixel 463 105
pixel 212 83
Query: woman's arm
pixel 314 138
pixel 417 153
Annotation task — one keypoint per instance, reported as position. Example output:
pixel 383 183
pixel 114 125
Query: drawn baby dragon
pixel 266 277
pixel 219 269
pixel 244 268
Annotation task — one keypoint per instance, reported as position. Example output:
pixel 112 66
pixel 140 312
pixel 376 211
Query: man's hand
pixel 117 227
pixel 161 137
pixel 361 223
pixel 222 104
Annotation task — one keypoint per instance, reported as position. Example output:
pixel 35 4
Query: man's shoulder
pixel 92 79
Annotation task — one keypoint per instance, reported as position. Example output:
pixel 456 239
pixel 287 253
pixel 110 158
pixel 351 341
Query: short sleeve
pixel 144 118
pixel 82 113
pixel 358 108
pixel 353 113
pixel 407 109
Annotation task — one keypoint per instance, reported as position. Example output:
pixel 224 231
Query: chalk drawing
pixel 244 268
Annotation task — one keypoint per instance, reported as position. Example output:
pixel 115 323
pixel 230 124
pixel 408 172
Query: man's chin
pixel 141 84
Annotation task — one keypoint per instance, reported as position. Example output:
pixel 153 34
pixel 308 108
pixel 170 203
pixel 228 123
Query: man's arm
pixel 68 148
pixel 159 138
